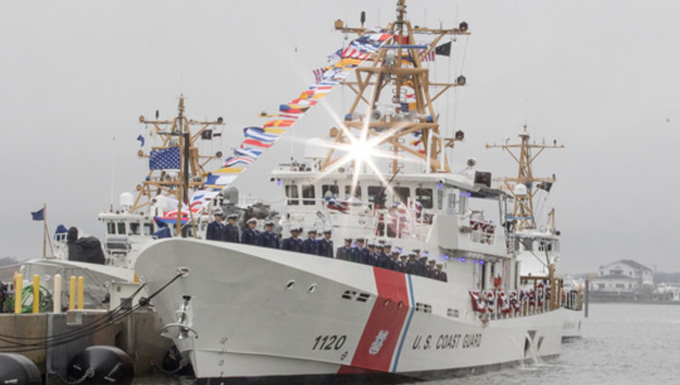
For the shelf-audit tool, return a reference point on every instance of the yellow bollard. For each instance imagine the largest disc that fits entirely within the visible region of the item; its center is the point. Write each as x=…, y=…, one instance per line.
x=56, y=297
x=36, y=293
x=18, y=288
x=81, y=292
x=72, y=293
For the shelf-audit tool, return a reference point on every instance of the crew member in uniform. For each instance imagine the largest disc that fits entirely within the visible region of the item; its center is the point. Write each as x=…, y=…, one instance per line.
x=379, y=257
x=370, y=257
x=394, y=260
x=386, y=256
x=359, y=253
x=310, y=245
x=430, y=269
x=411, y=264
x=293, y=243
x=326, y=245
x=269, y=237
x=231, y=230
x=345, y=252
x=441, y=274
x=251, y=236
x=215, y=230
x=402, y=263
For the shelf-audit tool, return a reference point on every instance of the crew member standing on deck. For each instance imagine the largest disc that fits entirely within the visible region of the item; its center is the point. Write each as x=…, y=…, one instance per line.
x=326, y=245
x=215, y=230
x=251, y=236
x=345, y=252
x=231, y=230
x=310, y=245
x=269, y=237
x=292, y=243
x=441, y=274
x=359, y=253
x=402, y=264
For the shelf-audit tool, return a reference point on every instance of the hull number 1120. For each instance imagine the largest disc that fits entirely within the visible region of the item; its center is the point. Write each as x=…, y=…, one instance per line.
x=329, y=342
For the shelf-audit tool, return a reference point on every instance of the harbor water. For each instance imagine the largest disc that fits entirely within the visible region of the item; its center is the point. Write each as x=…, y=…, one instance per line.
x=622, y=344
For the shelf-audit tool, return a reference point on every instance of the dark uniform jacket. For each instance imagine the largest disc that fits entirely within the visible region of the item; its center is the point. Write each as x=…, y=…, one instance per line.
x=384, y=261
x=310, y=246
x=326, y=248
x=215, y=231
x=420, y=268
x=251, y=237
x=231, y=233
x=270, y=239
x=411, y=267
x=291, y=244
x=344, y=253
x=362, y=255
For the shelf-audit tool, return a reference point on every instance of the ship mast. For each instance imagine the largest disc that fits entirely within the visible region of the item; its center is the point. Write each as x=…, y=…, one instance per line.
x=397, y=64
x=183, y=133
x=525, y=186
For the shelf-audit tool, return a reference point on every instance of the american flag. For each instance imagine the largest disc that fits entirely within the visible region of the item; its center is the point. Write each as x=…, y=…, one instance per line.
x=165, y=159
x=318, y=74
x=429, y=56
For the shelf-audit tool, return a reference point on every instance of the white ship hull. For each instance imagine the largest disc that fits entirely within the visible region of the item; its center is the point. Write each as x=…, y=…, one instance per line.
x=573, y=321
x=275, y=315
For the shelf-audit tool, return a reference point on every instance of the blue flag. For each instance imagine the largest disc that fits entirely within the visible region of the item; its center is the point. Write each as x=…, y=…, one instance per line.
x=168, y=158
x=39, y=215
x=141, y=140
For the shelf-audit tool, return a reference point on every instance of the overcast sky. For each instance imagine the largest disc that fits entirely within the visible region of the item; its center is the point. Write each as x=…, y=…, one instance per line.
x=602, y=77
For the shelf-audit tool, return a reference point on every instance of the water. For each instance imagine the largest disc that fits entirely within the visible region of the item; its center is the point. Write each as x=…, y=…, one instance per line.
x=622, y=344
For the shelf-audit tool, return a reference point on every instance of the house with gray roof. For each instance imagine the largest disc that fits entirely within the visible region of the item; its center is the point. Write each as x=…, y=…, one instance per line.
x=624, y=278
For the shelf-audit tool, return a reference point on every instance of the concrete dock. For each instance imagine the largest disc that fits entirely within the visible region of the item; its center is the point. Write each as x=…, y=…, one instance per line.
x=138, y=334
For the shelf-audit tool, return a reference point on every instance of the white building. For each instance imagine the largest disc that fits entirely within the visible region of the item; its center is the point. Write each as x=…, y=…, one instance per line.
x=623, y=278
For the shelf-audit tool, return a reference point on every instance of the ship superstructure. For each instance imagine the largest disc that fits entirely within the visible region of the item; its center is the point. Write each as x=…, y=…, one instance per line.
x=256, y=314
x=537, y=247
x=177, y=169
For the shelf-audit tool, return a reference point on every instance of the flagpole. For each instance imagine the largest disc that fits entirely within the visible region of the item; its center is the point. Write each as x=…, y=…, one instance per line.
x=44, y=230
x=47, y=230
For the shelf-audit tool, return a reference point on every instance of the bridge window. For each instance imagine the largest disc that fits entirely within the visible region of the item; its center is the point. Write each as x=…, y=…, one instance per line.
x=356, y=193
x=134, y=228
x=424, y=196
x=308, y=195
x=121, y=228
x=373, y=191
x=440, y=199
x=403, y=193
x=292, y=195
x=148, y=228
x=110, y=228
x=330, y=188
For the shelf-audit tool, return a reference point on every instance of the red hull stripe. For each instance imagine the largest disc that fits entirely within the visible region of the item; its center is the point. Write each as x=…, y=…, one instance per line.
x=381, y=333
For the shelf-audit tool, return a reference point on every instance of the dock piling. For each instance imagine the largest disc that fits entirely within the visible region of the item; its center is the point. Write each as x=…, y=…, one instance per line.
x=18, y=289
x=72, y=293
x=36, y=294
x=81, y=292
x=56, y=297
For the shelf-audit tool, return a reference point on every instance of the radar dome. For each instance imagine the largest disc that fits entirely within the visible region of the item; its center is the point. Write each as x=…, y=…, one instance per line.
x=126, y=199
x=520, y=190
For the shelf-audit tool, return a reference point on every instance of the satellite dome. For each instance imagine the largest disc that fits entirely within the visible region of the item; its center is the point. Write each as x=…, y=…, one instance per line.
x=126, y=199
x=520, y=190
